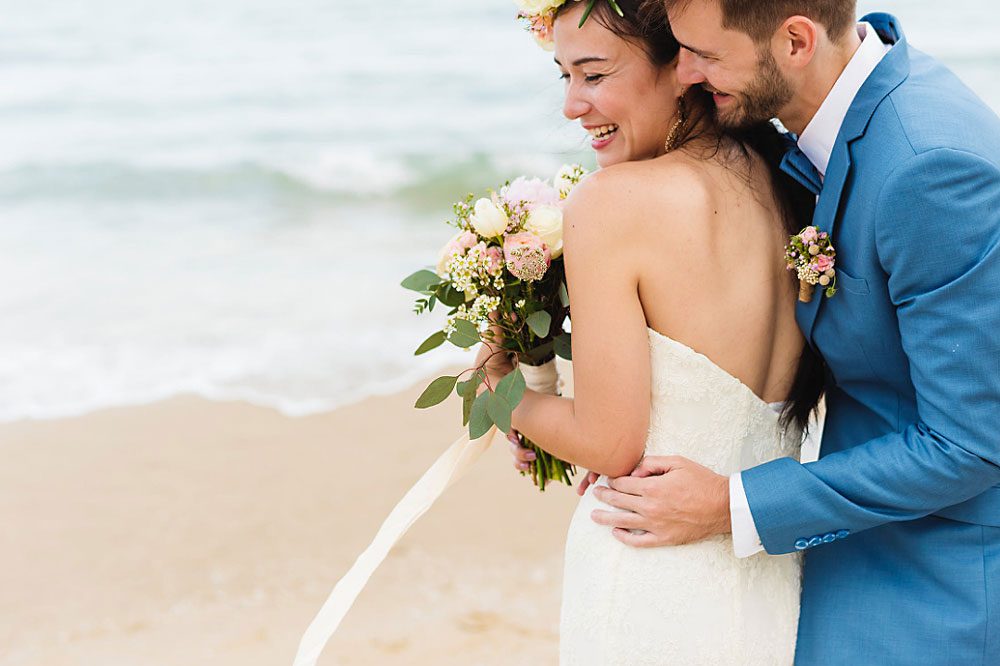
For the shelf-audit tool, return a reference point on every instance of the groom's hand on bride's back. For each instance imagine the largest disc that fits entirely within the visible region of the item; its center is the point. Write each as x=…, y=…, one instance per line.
x=666, y=501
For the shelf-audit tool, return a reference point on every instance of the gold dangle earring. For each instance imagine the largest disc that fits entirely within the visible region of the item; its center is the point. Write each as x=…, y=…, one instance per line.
x=675, y=131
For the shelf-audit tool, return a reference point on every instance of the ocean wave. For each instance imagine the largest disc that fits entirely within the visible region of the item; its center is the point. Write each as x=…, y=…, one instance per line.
x=359, y=178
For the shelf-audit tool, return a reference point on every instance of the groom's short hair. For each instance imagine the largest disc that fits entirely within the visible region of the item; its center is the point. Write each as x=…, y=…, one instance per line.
x=760, y=18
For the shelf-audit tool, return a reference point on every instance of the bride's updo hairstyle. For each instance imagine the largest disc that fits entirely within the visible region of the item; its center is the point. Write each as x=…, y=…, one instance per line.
x=645, y=24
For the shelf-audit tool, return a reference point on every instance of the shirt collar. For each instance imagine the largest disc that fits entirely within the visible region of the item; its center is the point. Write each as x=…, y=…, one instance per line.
x=819, y=136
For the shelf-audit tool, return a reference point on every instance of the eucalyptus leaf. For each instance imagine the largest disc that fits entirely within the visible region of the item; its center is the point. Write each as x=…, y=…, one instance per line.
x=479, y=418
x=450, y=296
x=511, y=388
x=465, y=335
x=436, y=393
x=564, y=346
x=539, y=323
x=563, y=295
x=467, y=400
x=423, y=281
x=499, y=410
x=436, y=340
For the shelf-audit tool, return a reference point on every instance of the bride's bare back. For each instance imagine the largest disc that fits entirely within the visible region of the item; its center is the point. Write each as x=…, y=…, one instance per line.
x=712, y=276
x=691, y=247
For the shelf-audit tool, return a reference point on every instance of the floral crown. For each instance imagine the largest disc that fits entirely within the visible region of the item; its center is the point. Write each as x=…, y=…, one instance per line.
x=540, y=15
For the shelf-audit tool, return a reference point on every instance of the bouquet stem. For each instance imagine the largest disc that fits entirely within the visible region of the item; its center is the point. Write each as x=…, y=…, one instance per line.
x=545, y=468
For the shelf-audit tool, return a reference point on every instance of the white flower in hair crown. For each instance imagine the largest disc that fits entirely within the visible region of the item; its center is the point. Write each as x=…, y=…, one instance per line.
x=540, y=15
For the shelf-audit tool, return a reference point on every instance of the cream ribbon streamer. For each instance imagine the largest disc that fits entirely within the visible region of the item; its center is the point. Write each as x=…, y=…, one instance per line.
x=444, y=473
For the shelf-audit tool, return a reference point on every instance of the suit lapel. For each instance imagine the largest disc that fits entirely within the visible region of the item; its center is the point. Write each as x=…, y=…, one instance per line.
x=891, y=72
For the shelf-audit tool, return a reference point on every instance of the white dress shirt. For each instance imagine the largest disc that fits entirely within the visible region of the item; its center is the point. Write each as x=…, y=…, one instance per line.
x=816, y=141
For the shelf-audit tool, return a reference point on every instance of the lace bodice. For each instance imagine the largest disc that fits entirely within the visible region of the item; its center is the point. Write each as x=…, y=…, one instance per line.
x=701, y=412
x=695, y=604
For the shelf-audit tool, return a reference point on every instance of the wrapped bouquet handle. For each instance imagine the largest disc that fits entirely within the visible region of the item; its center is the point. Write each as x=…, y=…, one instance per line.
x=445, y=472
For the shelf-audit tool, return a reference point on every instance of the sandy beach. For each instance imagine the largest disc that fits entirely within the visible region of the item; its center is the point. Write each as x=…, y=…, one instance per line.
x=196, y=532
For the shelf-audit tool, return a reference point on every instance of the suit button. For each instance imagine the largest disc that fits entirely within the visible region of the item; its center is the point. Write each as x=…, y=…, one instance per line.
x=801, y=544
x=830, y=538
x=815, y=541
x=843, y=534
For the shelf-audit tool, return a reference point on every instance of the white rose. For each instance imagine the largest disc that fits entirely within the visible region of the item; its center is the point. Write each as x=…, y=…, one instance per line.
x=547, y=223
x=488, y=220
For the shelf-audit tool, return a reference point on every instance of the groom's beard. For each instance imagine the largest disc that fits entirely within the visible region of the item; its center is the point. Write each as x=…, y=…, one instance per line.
x=761, y=100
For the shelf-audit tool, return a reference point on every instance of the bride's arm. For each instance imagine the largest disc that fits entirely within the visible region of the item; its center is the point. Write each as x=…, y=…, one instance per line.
x=604, y=427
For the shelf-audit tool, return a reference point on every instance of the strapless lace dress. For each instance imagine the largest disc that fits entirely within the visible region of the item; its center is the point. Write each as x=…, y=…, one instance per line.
x=688, y=605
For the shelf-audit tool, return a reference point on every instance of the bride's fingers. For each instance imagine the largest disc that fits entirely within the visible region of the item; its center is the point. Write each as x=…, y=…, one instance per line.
x=521, y=454
x=622, y=519
x=588, y=480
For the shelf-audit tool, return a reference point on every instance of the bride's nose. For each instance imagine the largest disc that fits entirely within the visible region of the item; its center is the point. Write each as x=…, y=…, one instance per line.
x=575, y=106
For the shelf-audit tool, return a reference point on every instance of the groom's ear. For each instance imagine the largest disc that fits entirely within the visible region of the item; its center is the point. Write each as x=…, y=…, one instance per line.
x=795, y=41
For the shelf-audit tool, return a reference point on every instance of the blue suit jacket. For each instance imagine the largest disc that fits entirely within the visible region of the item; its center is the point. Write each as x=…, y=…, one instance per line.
x=912, y=341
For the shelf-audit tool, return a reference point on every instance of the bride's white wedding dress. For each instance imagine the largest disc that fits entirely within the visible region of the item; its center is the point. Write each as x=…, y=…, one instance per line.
x=693, y=604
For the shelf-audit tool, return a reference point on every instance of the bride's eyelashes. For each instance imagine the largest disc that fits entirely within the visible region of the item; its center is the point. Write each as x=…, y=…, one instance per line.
x=589, y=78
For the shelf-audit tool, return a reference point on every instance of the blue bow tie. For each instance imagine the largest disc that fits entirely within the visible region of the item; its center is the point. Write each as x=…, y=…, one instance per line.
x=797, y=165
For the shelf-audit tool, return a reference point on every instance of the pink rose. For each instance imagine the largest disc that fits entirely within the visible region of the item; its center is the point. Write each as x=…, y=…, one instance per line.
x=823, y=263
x=809, y=235
x=526, y=256
x=496, y=258
x=533, y=193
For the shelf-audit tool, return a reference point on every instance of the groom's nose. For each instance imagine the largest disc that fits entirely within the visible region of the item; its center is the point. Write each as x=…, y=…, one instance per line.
x=687, y=68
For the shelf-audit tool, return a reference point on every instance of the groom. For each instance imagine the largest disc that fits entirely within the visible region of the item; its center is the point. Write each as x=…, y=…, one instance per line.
x=900, y=517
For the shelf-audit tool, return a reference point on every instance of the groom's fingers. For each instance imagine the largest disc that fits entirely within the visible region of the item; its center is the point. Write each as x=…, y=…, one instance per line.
x=629, y=485
x=623, y=519
x=616, y=499
x=644, y=540
x=656, y=465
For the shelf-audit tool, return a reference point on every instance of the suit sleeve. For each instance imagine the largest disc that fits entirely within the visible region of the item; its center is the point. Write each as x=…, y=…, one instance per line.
x=938, y=239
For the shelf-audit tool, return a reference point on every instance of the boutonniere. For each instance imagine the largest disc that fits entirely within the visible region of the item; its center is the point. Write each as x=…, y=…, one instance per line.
x=811, y=255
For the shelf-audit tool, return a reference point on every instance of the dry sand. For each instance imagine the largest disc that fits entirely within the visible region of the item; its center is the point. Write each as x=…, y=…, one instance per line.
x=195, y=532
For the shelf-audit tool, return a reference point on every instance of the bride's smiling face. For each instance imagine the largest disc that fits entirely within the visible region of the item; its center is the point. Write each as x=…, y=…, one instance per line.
x=625, y=102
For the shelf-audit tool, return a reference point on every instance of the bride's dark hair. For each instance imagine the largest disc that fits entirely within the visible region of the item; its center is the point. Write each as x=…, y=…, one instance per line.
x=645, y=24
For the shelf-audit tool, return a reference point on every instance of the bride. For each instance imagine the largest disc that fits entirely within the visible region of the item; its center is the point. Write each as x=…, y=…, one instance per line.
x=684, y=343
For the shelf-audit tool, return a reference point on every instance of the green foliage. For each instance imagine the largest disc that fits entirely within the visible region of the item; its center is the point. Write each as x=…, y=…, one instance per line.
x=499, y=410
x=450, y=296
x=539, y=323
x=465, y=335
x=564, y=346
x=479, y=418
x=563, y=295
x=436, y=340
x=423, y=281
x=468, y=392
x=436, y=393
x=511, y=388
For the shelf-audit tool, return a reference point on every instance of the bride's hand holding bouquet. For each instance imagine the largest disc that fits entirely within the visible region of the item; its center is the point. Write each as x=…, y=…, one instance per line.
x=502, y=275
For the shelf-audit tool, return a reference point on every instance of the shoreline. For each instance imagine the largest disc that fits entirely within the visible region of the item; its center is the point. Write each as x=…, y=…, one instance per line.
x=191, y=531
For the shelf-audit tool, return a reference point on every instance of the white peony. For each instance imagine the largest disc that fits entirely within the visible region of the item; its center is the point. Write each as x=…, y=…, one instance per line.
x=488, y=220
x=547, y=223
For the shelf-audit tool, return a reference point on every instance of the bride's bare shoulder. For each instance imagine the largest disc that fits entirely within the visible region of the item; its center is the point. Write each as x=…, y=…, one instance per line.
x=625, y=197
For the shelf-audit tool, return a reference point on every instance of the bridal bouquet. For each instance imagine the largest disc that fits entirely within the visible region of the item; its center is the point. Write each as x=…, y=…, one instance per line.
x=503, y=280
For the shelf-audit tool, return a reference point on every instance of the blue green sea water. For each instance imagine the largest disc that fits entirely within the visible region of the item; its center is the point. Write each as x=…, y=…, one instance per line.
x=220, y=197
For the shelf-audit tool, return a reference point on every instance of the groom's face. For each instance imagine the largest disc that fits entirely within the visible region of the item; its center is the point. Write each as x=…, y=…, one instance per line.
x=746, y=82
